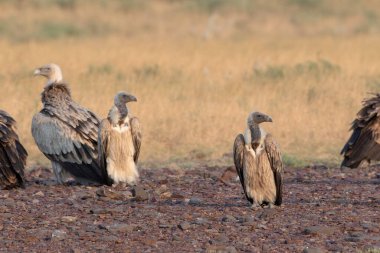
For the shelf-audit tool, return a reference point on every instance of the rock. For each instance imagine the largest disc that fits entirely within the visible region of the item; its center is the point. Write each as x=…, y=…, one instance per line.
x=201, y=221
x=75, y=250
x=140, y=194
x=221, y=239
x=220, y=249
x=121, y=228
x=184, y=225
x=177, y=195
x=40, y=194
x=353, y=238
x=228, y=218
x=320, y=230
x=163, y=188
x=313, y=250
x=58, y=235
x=35, y=201
x=68, y=218
x=103, y=211
x=164, y=226
x=229, y=175
x=166, y=195
x=195, y=201
x=103, y=192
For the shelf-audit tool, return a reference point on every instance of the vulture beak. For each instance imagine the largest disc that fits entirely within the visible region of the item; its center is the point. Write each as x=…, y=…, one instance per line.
x=37, y=72
x=269, y=119
x=132, y=98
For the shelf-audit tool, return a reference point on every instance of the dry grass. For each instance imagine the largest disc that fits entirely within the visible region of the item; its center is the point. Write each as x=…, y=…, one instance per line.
x=195, y=85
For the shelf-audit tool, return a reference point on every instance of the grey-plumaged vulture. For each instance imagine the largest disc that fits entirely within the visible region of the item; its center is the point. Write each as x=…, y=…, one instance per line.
x=66, y=132
x=364, y=143
x=258, y=163
x=12, y=154
x=120, y=141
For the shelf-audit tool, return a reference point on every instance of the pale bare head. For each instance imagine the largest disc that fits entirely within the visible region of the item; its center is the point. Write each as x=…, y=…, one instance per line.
x=122, y=98
x=51, y=71
x=257, y=118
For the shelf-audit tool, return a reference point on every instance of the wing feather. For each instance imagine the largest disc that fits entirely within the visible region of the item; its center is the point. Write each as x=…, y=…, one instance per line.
x=103, y=138
x=12, y=154
x=238, y=152
x=136, y=137
x=275, y=160
x=69, y=142
x=364, y=142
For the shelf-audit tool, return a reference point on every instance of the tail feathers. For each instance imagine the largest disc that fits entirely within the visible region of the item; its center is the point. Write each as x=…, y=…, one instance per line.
x=86, y=172
x=349, y=163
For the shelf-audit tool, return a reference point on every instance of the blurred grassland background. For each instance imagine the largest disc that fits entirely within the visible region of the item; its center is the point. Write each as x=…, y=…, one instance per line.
x=198, y=67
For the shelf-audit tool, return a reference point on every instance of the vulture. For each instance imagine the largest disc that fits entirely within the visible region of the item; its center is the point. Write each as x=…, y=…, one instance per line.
x=119, y=141
x=12, y=154
x=65, y=132
x=258, y=163
x=364, y=143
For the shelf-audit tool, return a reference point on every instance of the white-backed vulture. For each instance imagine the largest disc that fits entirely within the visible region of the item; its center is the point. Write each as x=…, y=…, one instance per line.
x=120, y=141
x=66, y=132
x=364, y=143
x=258, y=163
x=12, y=154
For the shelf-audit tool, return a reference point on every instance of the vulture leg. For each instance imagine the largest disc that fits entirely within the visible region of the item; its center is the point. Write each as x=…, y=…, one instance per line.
x=58, y=172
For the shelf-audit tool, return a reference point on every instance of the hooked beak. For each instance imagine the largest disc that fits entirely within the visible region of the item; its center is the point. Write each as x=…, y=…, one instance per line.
x=132, y=98
x=37, y=72
x=269, y=119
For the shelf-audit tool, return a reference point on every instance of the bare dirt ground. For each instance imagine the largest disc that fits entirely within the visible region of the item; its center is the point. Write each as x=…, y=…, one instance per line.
x=194, y=210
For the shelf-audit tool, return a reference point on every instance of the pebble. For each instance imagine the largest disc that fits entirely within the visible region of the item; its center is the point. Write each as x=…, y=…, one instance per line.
x=39, y=193
x=184, y=225
x=195, y=201
x=228, y=218
x=121, y=228
x=220, y=249
x=68, y=218
x=58, y=235
x=313, y=250
x=140, y=194
x=321, y=230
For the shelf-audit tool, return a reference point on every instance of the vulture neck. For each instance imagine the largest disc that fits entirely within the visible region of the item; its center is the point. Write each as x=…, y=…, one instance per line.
x=255, y=135
x=55, y=78
x=119, y=114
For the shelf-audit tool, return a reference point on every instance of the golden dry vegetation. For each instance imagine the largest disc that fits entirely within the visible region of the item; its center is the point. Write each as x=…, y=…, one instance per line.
x=199, y=67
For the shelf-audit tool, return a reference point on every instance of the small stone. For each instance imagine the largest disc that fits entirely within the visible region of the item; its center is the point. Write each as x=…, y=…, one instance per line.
x=220, y=249
x=201, y=221
x=58, y=235
x=35, y=201
x=221, y=239
x=312, y=250
x=195, y=201
x=68, y=218
x=228, y=218
x=40, y=194
x=164, y=226
x=140, y=194
x=121, y=228
x=353, y=239
x=103, y=192
x=321, y=230
x=184, y=225
x=75, y=250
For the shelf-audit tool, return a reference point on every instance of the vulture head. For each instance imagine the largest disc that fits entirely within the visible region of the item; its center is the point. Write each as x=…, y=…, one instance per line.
x=257, y=117
x=51, y=71
x=122, y=98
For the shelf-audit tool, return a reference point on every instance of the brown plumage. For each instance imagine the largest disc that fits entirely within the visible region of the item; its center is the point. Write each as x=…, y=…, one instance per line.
x=258, y=163
x=120, y=141
x=12, y=154
x=364, y=143
x=66, y=132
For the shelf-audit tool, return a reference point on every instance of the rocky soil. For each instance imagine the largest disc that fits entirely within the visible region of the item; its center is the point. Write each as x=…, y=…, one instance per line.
x=195, y=210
